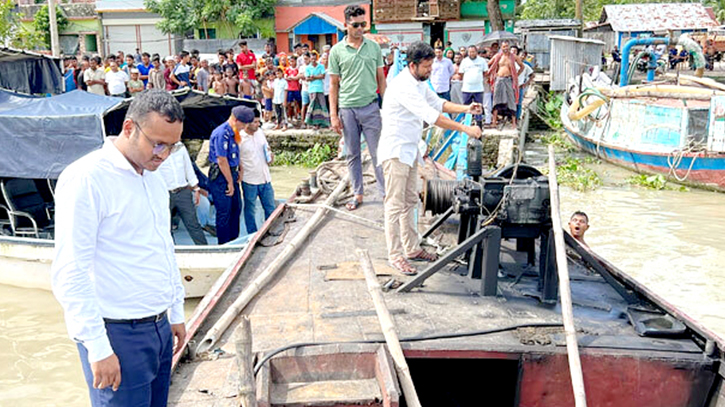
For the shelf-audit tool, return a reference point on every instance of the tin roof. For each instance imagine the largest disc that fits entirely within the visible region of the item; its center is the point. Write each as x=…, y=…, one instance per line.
x=549, y=23
x=656, y=17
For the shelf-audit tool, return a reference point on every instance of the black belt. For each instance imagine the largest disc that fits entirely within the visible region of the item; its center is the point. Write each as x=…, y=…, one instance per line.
x=153, y=318
x=173, y=191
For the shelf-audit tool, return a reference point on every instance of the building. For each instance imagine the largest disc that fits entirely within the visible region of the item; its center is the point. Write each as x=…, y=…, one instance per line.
x=314, y=22
x=535, y=35
x=128, y=26
x=462, y=23
x=83, y=33
x=619, y=23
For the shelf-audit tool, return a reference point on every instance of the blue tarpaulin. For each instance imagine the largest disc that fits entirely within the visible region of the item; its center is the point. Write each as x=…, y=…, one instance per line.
x=39, y=137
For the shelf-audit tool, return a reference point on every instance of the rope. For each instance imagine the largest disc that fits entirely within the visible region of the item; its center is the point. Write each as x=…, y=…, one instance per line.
x=674, y=159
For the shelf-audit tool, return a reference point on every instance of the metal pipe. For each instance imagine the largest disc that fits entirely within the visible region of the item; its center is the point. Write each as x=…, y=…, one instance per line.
x=623, y=72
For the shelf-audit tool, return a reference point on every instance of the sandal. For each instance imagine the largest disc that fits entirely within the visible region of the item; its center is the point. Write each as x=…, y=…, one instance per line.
x=353, y=204
x=423, y=255
x=402, y=265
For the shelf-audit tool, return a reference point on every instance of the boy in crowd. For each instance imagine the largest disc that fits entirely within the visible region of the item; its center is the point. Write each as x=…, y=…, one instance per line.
x=294, y=96
x=231, y=82
x=268, y=93
x=135, y=85
x=246, y=89
x=280, y=98
x=218, y=85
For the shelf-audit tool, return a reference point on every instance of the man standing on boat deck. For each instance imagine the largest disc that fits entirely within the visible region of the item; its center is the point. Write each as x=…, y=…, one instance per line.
x=224, y=173
x=184, y=192
x=256, y=178
x=409, y=102
x=356, y=75
x=114, y=271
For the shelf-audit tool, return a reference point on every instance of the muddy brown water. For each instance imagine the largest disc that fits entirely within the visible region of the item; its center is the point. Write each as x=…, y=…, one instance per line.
x=673, y=242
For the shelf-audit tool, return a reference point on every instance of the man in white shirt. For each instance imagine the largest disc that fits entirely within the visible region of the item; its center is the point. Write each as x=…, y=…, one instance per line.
x=255, y=158
x=408, y=103
x=95, y=76
x=114, y=273
x=441, y=75
x=473, y=69
x=181, y=182
x=116, y=80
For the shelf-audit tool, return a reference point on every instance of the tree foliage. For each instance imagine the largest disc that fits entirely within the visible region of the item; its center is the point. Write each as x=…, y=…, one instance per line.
x=12, y=32
x=41, y=23
x=181, y=16
x=592, y=9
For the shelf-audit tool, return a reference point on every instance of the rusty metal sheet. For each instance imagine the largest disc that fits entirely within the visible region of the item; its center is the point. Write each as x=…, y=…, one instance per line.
x=658, y=17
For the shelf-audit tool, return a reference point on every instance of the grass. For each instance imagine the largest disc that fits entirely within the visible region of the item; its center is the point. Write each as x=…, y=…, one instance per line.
x=574, y=173
x=559, y=140
x=309, y=158
x=548, y=109
x=656, y=182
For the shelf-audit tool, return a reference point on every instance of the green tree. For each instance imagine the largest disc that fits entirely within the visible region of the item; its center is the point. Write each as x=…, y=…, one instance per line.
x=12, y=32
x=181, y=16
x=41, y=23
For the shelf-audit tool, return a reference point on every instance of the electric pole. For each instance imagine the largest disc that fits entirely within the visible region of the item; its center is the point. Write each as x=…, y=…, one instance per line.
x=580, y=17
x=54, y=43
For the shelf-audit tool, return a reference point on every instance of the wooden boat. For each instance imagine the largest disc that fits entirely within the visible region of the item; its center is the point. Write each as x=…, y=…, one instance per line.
x=674, y=130
x=318, y=341
x=25, y=262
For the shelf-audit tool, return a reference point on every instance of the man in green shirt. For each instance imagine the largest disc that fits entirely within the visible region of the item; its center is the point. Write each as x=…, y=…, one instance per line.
x=356, y=76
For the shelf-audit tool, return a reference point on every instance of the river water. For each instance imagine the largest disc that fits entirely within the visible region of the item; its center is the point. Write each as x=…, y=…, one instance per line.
x=669, y=240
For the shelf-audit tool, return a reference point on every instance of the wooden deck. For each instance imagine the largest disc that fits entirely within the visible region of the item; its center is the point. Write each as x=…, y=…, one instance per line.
x=321, y=296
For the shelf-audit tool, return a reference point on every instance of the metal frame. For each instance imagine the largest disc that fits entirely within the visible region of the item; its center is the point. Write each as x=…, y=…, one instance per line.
x=13, y=213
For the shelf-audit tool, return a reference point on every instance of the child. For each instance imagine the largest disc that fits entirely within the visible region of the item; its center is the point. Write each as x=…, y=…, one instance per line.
x=156, y=76
x=294, y=97
x=268, y=93
x=218, y=86
x=280, y=98
x=245, y=86
x=135, y=85
x=231, y=82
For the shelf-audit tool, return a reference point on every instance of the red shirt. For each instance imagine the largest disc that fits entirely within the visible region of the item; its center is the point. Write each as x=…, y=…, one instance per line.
x=292, y=84
x=247, y=59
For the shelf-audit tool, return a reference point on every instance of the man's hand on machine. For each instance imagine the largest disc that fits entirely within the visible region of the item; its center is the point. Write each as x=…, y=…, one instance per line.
x=473, y=131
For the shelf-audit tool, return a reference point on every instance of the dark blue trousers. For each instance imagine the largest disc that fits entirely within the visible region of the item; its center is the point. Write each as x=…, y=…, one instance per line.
x=144, y=352
x=265, y=194
x=228, y=208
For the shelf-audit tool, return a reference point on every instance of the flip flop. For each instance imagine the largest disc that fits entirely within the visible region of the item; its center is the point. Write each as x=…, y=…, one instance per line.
x=423, y=255
x=401, y=265
x=353, y=204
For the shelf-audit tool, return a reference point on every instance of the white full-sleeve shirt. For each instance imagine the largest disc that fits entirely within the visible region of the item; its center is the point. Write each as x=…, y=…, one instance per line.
x=177, y=170
x=407, y=104
x=114, y=256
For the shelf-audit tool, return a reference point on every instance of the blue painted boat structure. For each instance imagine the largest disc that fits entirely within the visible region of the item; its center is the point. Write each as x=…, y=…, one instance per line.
x=681, y=138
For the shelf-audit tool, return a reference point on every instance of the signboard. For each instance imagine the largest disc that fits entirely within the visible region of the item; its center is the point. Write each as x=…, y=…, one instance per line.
x=716, y=138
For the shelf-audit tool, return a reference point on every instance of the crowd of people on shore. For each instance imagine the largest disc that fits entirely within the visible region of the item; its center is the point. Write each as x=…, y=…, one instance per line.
x=293, y=89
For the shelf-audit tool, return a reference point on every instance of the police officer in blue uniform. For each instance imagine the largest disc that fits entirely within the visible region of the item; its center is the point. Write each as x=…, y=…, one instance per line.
x=224, y=173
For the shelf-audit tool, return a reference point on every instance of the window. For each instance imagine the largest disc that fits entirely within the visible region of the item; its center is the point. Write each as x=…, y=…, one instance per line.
x=91, y=44
x=208, y=34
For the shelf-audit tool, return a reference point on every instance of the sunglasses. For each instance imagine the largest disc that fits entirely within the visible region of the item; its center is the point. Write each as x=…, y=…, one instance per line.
x=159, y=148
x=358, y=25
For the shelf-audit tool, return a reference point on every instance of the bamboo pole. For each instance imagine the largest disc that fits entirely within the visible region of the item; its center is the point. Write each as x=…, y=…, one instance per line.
x=243, y=345
x=572, y=347
x=388, y=327
x=250, y=291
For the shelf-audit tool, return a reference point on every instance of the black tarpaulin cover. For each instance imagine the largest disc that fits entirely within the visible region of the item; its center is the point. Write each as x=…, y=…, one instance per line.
x=30, y=73
x=39, y=137
x=203, y=113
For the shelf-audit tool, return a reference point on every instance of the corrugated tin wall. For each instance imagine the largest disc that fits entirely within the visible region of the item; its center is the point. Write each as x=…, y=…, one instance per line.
x=570, y=57
x=537, y=43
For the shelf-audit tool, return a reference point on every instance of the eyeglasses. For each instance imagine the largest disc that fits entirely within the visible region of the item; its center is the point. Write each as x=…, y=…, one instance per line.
x=358, y=25
x=159, y=148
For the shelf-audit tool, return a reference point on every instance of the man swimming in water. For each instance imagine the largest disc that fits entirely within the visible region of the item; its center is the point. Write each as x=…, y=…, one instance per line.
x=578, y=225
